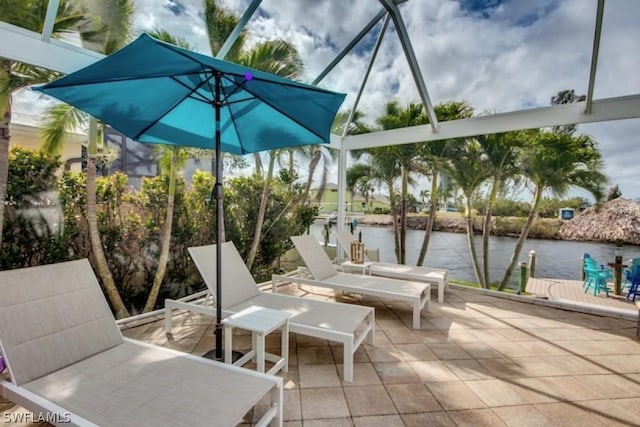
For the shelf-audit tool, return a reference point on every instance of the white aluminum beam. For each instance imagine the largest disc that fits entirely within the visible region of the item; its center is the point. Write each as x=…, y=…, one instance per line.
x=349, y=46
x=594, y=57
x=50, y=19
x=27, y=46
x=228, y=43
x=374, y=54
x=618, y=108
x=405, y=41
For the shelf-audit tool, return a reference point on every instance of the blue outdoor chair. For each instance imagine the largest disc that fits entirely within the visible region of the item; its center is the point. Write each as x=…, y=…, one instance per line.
x=596, y=276
x=632, y=276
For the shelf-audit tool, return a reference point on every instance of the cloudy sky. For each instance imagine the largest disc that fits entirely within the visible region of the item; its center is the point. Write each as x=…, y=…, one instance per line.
x=499, y=55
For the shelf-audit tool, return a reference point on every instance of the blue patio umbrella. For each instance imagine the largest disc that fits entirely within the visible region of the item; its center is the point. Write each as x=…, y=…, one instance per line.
x=156, y=92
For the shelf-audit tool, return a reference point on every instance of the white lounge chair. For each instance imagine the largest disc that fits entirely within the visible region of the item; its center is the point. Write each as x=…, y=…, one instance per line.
x=344, y=323
x=324, y=274
x=435, y=276
x=70, y=365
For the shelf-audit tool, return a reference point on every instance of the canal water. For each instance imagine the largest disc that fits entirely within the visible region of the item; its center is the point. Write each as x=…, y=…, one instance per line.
x=555, y=258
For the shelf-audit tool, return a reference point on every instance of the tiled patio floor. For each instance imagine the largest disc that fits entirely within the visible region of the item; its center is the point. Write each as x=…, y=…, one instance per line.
x=478, y=360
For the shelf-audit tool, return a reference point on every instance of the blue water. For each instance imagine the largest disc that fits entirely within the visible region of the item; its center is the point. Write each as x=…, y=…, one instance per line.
x=555, y=258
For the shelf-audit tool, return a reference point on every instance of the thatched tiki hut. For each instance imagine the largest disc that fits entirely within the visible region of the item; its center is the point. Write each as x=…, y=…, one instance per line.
x=615, y=221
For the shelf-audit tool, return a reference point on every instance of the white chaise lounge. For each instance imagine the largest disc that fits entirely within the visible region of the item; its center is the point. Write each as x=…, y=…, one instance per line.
x=347, y=324
x=70, y=365
x=434, y=276
x=324, y=274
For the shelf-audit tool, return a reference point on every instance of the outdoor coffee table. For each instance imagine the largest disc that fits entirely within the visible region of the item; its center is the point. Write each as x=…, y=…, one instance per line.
x=260, y=322
x=365, y=267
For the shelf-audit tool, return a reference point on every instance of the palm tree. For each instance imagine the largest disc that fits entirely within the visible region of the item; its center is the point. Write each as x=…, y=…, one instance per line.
x=317, y=155
x=320, y=155
x=433, y=156
x=406, y=156
x=358, y=178
x=502, y=153
x=280, y=58
x=110, y=33
x=276, y=57
x=385, y=169
x=15, y=76
x=468, y=168
x=556, y=162
x=172, y=159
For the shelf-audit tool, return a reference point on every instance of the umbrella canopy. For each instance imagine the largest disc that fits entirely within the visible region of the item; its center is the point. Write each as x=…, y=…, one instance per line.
x=156, y=92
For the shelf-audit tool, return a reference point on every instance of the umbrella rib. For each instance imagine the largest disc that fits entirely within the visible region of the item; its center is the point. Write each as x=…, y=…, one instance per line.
x=284, y=82
x=190, y=95
x=173, y=107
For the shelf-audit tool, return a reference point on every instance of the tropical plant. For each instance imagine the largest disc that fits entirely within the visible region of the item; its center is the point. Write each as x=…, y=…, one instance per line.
x=359, y=181
x=556, y=162
x=433, y=157
x=172, y=159
x=33, y=214
x=14, y=76
x=501, y=151
x=273, y=56
x=110, y=32
x=407, y=161
x=468, y=168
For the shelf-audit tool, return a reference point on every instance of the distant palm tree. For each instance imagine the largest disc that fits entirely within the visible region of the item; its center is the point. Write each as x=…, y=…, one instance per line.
x=556, y=162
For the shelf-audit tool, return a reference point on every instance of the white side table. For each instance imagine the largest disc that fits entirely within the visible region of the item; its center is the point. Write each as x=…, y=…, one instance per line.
x=364, y=267
x=261, y=322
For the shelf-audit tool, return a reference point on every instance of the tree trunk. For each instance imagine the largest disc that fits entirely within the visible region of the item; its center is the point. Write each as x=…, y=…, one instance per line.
x=394, y=218
x=257, y=234
x=430, y=219
x=96, y=244
x=5, y=137
x=313, y=164
x=166, y=239
x=291, y=162
x=471, y=242
x=258, y=162
x=522, y=238
x=403, y=216
x=486, y=231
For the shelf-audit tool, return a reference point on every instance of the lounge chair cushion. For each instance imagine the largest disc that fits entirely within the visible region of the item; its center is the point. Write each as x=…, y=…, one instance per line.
x=379, y=284
x=239, y=283
x=139, y=385
x=314, y=257
x=310, y=313
x=51, y=317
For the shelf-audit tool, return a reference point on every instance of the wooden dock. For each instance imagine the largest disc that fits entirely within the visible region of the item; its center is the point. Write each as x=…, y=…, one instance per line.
x=571, y=292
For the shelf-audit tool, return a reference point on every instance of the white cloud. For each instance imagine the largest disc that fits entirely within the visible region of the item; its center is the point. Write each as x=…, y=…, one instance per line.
x=519, y=56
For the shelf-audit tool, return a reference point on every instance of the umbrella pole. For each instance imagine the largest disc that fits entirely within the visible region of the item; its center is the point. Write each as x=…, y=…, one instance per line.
x=217, y=192
x=217, y=353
